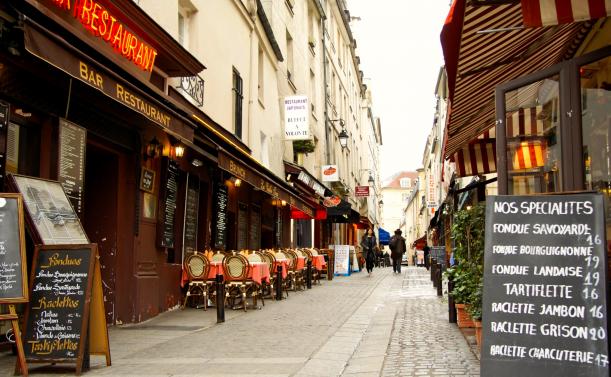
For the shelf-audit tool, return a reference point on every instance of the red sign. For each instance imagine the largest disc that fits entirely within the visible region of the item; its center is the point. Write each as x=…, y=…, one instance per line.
x=106, y=26
x=360, y=191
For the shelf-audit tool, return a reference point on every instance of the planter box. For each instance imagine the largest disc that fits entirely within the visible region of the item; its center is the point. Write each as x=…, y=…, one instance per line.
x=463, y=319
x=478, y=333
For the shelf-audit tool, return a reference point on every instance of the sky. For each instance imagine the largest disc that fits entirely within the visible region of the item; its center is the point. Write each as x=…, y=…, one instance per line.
x=398, y=43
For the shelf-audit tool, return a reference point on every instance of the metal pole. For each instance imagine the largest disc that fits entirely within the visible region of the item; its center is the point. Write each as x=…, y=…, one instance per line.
x=451, y=307
x=279, y=282
x=438, y=278
x=220, y=299
x=433, y=260
x=309, y=275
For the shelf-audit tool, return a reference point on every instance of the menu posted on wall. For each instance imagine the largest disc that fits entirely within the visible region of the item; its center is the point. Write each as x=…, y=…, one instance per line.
x=220, y=224
x=191, y=215
x=167, y=204
x=71, y=172
x=13, y=283
x=545, y=287
x=58, y=312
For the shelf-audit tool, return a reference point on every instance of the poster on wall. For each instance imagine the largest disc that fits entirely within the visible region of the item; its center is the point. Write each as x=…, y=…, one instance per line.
x=296, y=118
x=330, y=173
x=342, y=260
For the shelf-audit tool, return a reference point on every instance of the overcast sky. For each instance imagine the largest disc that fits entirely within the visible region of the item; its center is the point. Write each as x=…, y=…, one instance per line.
x=398, y=42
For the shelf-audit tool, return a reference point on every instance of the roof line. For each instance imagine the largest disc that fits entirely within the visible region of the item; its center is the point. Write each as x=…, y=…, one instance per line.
x=269, y=33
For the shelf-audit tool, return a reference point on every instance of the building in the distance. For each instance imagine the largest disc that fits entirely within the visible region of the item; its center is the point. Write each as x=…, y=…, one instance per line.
x=396, y=192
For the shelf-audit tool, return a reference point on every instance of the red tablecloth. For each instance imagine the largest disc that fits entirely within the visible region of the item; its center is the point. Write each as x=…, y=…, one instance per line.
x=318, y=262
x=258, y=271
x=300, y=263
x=285, y=267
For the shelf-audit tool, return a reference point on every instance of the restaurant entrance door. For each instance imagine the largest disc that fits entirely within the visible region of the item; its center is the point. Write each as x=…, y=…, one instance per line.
x=100, y=217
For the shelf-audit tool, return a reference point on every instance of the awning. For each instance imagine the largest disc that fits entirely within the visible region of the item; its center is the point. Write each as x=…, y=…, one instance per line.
x=538, y=13
x=383, y=236
x=264, y=181
x=420, y=243
x=486, y=45
x=343, y=213
x=319, y=214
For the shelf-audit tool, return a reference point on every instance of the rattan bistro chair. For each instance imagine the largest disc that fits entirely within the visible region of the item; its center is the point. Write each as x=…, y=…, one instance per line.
x=269, y=258
x=295, y=276
x=237, y=284
x=315, y=273
x=197, y=268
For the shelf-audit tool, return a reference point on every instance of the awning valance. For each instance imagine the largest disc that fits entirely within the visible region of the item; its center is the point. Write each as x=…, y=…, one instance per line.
x=486, y=45
x=538, y=13
x=343, y=213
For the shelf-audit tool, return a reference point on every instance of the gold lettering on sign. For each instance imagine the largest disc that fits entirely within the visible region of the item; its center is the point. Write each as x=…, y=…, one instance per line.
x=91, y=76
x=236, y=169
x=307, y=211
x=141, y=106
x=55, y=260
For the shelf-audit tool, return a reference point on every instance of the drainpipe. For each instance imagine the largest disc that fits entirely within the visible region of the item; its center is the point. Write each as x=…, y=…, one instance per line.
x=252, y=10
x=325, y=91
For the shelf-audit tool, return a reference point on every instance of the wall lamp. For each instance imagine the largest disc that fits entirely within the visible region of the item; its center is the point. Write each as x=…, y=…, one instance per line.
x=153, y=149
x=179, y=150
x=343, y=135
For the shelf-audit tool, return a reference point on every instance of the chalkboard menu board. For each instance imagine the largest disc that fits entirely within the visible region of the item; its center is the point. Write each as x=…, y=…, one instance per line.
x=544, y=306
x=191, y=215
x=242, y=226
x=254, y=238
x=167, y=203
x=220, y=224
x=71, y=172
x=13, y=283
x=58, y=312
x=278, y=228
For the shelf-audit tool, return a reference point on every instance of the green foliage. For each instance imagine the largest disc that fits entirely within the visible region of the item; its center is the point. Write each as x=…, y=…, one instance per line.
x=468, y=233
x=304, y=146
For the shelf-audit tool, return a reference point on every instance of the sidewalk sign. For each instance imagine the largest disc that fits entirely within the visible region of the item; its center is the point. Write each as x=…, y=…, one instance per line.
x=355, y=260
x=545, y=286
x=13, y=274
x=342, y=259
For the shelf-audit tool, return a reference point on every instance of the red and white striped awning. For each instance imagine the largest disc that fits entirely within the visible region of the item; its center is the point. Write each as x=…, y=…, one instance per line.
x=538, y=13
x=478, y=157
x=486, y=45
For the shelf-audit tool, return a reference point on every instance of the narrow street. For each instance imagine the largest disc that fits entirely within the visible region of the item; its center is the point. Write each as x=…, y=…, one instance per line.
x=385, y=325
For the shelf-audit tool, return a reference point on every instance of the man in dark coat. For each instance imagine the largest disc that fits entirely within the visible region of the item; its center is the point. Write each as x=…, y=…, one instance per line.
x=397, y=249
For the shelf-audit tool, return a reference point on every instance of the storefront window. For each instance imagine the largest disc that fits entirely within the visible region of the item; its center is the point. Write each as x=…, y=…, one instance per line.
x=595, y=81
x=533, y=138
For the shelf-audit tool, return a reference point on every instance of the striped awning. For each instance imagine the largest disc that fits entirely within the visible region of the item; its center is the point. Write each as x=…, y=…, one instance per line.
x=478, y=157
x=486, y=45
x=538, y=13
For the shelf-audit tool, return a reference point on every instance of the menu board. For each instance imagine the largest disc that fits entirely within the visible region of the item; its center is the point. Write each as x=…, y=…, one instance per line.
x=58, y=312
x=342, y=259
x=167, y=204
x=191, y=215
x=242, y=226
x=545, y=287
x=220, y=224
x=72, y=142
x=278, y=228
x=254, y=238
x=13, y=283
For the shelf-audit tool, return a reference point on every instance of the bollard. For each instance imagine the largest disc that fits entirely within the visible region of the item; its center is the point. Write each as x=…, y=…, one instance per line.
x=434, y=261
x=451, y=307
x=220, y=299
x=309, y=275
x=439, y=281
x=279, y=283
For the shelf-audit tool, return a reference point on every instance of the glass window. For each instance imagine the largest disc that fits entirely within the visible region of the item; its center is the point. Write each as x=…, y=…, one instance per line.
x=404, y=182
x=595, y=79
x=533, y=138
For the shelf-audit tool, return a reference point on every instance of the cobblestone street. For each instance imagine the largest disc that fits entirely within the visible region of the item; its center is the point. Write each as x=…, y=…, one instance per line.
x=353, y=326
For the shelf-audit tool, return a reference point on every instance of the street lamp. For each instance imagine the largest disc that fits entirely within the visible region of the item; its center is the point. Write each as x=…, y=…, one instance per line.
x=371, y=180
x=343, y=135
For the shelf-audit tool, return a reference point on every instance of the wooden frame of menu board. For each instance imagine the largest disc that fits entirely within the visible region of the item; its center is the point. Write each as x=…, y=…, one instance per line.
x=12, y=205
x=64, y=307
x=43, y=221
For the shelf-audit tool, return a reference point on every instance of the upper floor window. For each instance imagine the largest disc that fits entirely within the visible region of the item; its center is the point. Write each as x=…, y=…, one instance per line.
x=238, y=96
x=404, y=197
x=261, y=75
x=185, y=10
x=405, y=182
x=289, y=57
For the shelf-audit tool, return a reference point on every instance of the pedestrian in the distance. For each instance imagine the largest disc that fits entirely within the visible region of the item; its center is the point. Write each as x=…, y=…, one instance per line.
x=368, y=244
x=397, y=249
x=427, y=252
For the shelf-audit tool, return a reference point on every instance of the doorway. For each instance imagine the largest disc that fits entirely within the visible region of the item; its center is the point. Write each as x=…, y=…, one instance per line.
x=100, y=217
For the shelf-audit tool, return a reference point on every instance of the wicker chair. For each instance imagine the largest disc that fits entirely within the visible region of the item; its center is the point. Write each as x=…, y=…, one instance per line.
x=315, y=273
x=295, y=276
x=256, y=288
x=237, y=284
x=286, y=283
x=197, y=267
x=269, y=258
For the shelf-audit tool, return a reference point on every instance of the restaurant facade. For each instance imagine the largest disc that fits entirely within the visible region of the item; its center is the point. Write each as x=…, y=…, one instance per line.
x=529, y=96
x=85, y=100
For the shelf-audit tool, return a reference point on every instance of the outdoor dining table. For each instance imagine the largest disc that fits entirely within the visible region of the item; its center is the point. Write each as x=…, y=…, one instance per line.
x=318, y=262
x=300, y=263
x=257, y=271
x=285, y=266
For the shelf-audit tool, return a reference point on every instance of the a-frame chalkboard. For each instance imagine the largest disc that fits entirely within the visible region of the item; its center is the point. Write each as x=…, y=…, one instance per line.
x=13, y=274
x=57, y=317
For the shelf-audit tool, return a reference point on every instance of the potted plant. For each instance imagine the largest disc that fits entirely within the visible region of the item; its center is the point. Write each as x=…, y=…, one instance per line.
x=304, y=146
x=475, y=310
x=463, y=288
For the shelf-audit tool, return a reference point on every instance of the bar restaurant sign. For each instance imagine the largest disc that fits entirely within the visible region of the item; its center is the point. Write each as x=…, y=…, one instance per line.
x=296, y=118
x=107, y=26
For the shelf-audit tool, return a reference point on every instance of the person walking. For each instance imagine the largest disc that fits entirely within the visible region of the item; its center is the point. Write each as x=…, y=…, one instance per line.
x=427, y=253
x=397, y=249
x=368, y=244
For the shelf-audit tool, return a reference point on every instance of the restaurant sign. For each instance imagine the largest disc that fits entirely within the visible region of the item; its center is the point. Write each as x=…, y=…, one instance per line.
x=101, y=23
x=296, y=118
x=361, y=191
x=261, y=182
x=45, y=48
x=330, y=173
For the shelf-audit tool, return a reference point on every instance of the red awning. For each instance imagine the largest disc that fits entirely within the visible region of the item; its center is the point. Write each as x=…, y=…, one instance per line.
x=486, y=45
x=538, y=13
x=319, y=214
x=420, y=243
